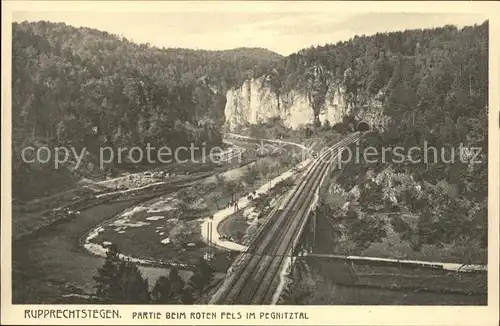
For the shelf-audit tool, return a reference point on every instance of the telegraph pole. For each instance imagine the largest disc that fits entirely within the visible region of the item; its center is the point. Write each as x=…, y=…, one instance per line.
x=209, y=237
x=313, y=231
x=210, y=246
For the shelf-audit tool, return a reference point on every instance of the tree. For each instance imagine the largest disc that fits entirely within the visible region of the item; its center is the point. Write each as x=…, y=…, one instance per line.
x=169, y=289
x=370, y=194
x=177, y=283
x=133, y=287
x=431, y=83
x=232, y=188
x=162, y=290
x=179, y=233
x=187, y=295
x=326, y=125
x=274, y=80
x=276, y=165
x=107, y=278
x=298, y=292
x=467, y=248
x=120, y=281
x=251, y=177
x=258, y=133
x=202, y=277
x=64, y=87
x=366, y=230
x=288, y=159
x=215, y=195
x=187, y=198
x=264, y=169
x=220, y=181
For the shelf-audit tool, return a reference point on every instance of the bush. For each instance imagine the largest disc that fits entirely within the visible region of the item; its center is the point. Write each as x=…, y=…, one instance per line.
x=169, y=289
x=366, y=230
x=201, y=278
x=119, y=281
x=400, y=226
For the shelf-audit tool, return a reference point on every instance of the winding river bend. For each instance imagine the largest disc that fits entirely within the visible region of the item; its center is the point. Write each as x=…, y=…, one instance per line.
x=53, y=262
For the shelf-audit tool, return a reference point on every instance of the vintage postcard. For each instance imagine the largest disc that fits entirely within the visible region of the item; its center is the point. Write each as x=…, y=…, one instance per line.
x=250, y=163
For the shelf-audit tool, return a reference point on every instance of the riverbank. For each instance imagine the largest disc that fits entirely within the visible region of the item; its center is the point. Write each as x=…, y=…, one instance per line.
x=48, y=260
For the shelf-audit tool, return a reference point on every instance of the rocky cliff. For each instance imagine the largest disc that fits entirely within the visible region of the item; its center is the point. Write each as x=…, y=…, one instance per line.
x=255, y=102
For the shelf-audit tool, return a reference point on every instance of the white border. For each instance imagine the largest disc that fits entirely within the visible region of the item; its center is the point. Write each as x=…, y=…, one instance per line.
x=318, y=315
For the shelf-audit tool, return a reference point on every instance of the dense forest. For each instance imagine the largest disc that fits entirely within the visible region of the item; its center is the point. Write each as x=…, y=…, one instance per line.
x=82, y=87
x=86, y=88
x=413, y=71
x=433, y=85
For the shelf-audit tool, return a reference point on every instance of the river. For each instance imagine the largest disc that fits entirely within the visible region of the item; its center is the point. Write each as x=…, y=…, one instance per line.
x=52, y=259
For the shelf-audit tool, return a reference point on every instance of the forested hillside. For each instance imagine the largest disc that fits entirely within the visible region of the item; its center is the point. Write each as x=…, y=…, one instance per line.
x=85, y=88
x=433, y=85
x=414, y=72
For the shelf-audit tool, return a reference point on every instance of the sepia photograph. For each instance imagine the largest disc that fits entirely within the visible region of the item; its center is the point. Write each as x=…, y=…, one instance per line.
x=220, y=157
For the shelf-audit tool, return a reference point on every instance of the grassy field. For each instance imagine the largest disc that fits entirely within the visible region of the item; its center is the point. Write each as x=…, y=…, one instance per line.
x=160, y=231
x=321, y=282
x=334, y=294
x=402, y=277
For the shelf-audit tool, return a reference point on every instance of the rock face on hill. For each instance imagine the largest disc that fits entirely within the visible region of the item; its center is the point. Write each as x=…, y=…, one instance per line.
x=255, y=102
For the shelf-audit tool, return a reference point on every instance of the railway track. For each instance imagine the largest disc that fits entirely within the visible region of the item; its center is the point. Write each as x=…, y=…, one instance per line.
x=256, y=274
